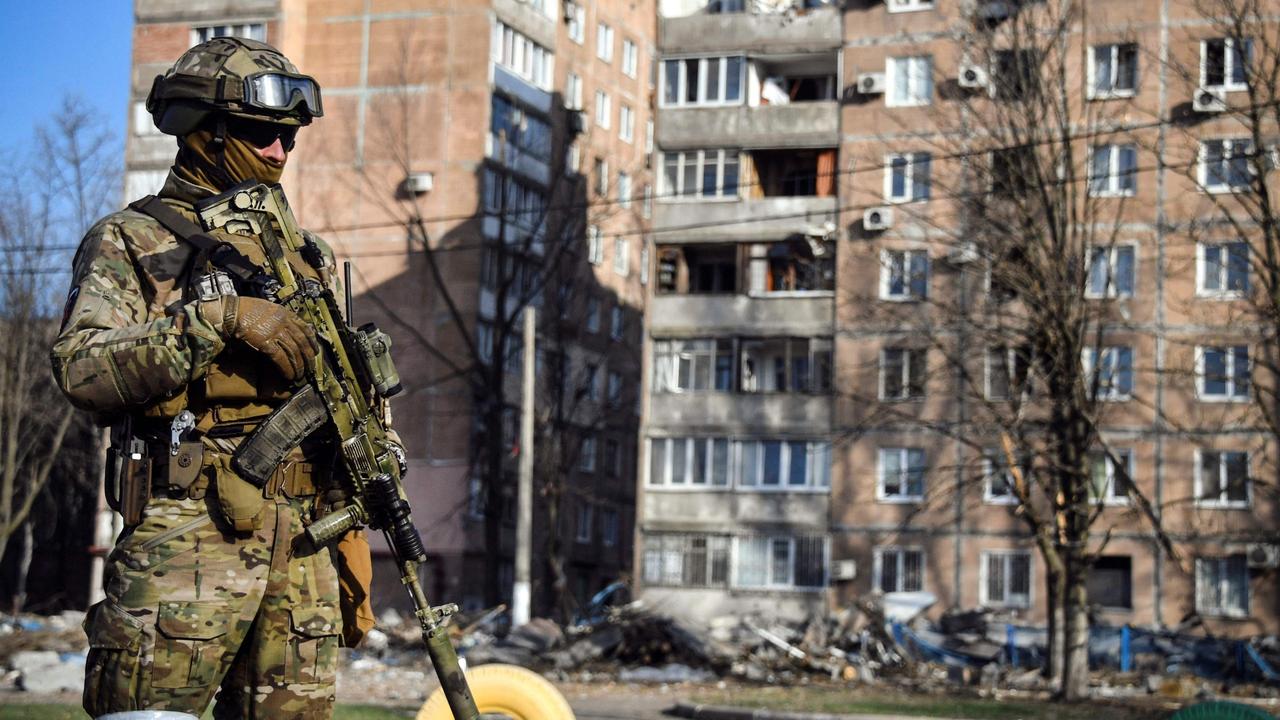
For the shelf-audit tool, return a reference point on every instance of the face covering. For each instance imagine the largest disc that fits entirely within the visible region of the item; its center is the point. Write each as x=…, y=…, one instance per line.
x=198, y=163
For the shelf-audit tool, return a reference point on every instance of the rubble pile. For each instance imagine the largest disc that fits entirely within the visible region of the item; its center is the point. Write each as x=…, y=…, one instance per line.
x=43, y=654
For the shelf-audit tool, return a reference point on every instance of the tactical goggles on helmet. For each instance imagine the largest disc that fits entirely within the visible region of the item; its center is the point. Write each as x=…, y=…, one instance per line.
x=282, y=92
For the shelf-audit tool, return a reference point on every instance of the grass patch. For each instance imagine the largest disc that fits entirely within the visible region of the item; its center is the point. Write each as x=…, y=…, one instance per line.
x=46, y=711
x=853, y=701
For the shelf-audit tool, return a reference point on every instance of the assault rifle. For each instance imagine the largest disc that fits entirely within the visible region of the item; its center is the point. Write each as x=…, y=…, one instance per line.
x=349, y=377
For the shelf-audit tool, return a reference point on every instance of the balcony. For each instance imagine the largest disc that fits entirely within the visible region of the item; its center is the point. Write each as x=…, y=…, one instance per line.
x=156, y=11
x=687, y=315
x=795, y=125
x=770, y=27
x=522, y=90
x=766, y=218
x=716, y=511
x=741, y=412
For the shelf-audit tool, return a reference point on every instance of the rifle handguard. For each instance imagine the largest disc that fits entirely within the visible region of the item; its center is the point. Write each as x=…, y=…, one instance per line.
x=332, y=526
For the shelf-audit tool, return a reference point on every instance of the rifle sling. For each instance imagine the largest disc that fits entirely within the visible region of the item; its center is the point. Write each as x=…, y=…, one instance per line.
x=283, y=430
x=222, y=254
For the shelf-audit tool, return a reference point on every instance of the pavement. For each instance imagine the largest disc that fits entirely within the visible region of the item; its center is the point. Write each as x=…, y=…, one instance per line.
x=628, y=707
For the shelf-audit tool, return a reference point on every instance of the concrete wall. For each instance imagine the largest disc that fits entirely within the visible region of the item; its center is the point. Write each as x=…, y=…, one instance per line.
x=728, y=511
x=740, y=220
x=695, y=315
x=160, y=11
x=759, y=34
x=737, y=412
x=799, y=125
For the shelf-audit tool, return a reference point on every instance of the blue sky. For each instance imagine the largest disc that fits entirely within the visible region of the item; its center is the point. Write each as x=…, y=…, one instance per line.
x=49, y=48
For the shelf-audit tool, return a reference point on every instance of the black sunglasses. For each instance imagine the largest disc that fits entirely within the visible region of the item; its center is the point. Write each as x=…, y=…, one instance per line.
x=261, y=134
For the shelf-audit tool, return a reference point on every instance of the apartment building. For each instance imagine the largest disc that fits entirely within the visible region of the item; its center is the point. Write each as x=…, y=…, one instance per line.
x=475, y=159
x=796, y=376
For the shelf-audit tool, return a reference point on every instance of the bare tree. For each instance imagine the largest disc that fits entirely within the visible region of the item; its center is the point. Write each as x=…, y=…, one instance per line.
x=51, y=197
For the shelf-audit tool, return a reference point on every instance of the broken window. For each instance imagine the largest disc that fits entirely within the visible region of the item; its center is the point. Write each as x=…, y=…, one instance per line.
x=797, y=265
x=1224, y=63
x=786, y=365
x=1222, y=478
x=1110, y=582
x=712, y=270
x=789, y=173
x=1006, y=372
x=764, y=561
x=1222, y=585
x=1017, y=74
x=1107, y=481
x=902, y=373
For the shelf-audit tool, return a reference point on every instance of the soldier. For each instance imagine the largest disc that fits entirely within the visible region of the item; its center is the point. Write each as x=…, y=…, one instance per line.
x=212, y=584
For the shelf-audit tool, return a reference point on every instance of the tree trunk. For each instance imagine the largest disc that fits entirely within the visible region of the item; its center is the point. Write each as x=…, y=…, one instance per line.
x=24, y=569
x=1075, y=675
x=1053, y=593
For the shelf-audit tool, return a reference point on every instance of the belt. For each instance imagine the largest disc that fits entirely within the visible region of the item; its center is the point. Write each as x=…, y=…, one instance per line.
x=293, y=479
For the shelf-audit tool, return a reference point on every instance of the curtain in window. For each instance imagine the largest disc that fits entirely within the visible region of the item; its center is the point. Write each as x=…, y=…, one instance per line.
x=826, y=173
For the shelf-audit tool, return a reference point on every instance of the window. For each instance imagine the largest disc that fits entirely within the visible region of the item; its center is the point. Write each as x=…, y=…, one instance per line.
x=791, y=267
x=1113, y=171
x=1114, y=368
x=906, y=177
x=1222, y=372
x=901, y=475
x=897, y=6
x=1006, y=375
x=998, y=479
x=609, y=528
x=1111, y=272
x=1016, y=74
x=797, y=365
x=1222, y=586
x=692, y=365
x=573, y=158
x=587, y=454
x=1113, y=70
x=614, y=389
x=595, y=245
x=1110, y=582
x=601, y=167
x=1107, y=484
x=613, y=457
x=1222, y=269
x=686, y=560
x=1224, y=165
x=621, y=256
x=484, y=342
x=629, y=58
x=583, y=524
x=644, y=248
x=784, y=465
x=910, y=81
x=617, y=325
x=780, y=562
x=689, y=462
x=604, y=109
x=1222, y=479
x=902, y=373
x=251, y=31
x=703, y=81
x=904, y=274
x=521, y=205
x=573, y=91
x=577, y=15
x=897, y=569
x=593, y=315
x=515, y=128
x=527, y=59
x=700, y=173
x=591, y=381
x=604, y=42
x=1224, y=63
x=1006, y=579
x=624, y=190
x=648, y=136
x=646, y=210
x=626, y=123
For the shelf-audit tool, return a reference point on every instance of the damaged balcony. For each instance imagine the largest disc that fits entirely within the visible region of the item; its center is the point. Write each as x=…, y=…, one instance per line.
x=773, y=25
x=765, y=195
x=761, y=287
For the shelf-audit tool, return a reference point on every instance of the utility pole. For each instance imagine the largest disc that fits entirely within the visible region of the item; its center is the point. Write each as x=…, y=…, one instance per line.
x=521, y=591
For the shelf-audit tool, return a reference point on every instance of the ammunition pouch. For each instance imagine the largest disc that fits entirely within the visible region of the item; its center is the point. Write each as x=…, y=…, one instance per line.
x=275, y=437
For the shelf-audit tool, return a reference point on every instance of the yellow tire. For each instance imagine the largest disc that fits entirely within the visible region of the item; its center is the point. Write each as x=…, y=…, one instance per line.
x=505, y=690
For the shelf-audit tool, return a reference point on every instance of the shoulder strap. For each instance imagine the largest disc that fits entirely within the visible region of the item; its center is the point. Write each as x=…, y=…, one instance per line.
x=220, y=253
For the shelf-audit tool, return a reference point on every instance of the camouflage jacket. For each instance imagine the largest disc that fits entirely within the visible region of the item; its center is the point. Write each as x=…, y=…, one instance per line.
x=132, y=341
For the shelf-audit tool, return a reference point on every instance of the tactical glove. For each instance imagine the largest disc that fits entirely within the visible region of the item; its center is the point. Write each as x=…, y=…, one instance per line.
x=273, y=330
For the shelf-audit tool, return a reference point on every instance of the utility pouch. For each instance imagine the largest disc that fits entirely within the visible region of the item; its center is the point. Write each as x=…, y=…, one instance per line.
x=240, y=502
x=184, y=466
x=135, y=482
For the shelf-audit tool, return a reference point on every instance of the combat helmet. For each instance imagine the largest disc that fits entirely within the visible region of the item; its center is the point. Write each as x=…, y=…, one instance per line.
x=234, y=76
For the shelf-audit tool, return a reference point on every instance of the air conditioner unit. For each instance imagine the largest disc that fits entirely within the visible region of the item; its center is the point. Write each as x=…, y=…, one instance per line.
x=419, y=183
x=871, y=83
x=1263, y=555
x=972, y=76
x=1209, y=100
x=877, y=218
x=844, y=570
x=963, y=255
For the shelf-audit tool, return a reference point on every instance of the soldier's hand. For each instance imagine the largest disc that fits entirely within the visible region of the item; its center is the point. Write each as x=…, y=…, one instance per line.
x=272, y=330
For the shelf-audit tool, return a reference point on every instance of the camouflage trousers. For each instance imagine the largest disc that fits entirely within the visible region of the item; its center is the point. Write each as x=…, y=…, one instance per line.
x=191, y=610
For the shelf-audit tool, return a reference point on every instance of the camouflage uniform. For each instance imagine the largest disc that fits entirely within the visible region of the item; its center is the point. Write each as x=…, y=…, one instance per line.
x=191, y=603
